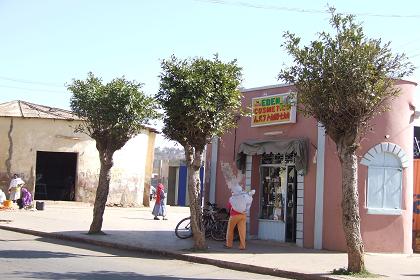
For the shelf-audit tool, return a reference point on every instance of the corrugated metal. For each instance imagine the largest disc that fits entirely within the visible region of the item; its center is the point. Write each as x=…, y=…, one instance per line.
x=271, y=230
x=25, y=109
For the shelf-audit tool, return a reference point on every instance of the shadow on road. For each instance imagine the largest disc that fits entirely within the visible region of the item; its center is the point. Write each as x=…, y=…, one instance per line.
x=98, y=275
x=31, y=254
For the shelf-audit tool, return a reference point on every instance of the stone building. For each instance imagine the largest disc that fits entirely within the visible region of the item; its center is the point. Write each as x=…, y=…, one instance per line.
x=40, y=144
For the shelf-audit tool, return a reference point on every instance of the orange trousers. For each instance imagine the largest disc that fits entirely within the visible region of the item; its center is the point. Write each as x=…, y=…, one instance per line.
x=239, y=221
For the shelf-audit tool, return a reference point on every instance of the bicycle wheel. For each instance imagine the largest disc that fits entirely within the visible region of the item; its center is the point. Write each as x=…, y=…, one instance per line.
x=183, y=228
x=219, y=229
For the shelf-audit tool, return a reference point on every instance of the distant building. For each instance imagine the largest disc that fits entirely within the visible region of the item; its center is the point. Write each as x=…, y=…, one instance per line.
x=39, y=143
x=170, y=169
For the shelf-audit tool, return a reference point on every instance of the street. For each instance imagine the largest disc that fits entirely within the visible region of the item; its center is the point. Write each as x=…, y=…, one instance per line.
x=31, y=257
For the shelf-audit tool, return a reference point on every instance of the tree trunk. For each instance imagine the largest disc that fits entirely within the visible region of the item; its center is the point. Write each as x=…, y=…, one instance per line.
x=102, y=191
x=350, y=208
x=193, y=157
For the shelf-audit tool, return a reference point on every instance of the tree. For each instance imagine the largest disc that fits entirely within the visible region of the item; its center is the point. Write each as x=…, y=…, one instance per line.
x=201, y=100
x=343, y=81
x=113, y=113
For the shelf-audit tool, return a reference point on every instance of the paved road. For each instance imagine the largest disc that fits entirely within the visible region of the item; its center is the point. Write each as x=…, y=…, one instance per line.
x=29, y=257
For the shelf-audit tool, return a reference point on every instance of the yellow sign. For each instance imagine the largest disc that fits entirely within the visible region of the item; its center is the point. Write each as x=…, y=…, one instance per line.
x=273, y=109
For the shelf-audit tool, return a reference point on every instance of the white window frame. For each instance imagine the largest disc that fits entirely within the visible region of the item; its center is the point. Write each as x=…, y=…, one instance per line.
x=369, y=160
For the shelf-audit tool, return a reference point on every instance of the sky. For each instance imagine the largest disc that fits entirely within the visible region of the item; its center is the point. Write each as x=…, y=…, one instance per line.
x=45, y=44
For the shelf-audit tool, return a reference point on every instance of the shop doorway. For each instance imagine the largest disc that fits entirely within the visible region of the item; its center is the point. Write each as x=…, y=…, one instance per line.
x=278, y=198
x=55, y=176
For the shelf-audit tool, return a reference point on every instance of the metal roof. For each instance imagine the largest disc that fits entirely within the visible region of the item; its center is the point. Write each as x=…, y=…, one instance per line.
x=23, y=109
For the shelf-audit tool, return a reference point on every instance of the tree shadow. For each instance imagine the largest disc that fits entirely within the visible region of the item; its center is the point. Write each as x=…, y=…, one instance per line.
x=98, y=275
x=100, y=249
x=138, y=218
x=33, y=254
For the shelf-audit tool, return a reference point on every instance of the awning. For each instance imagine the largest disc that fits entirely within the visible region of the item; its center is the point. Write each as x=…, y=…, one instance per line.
x=281, y=146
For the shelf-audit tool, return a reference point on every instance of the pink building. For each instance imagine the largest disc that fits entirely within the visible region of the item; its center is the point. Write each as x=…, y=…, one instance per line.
x=296, y=173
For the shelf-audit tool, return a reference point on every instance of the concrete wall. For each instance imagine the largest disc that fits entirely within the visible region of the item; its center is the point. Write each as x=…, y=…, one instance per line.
x=21, y=138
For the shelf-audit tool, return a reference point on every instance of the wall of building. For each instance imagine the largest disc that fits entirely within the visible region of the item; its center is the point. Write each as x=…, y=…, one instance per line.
x=21, y=138
x=148, y=170
x=395, y=126
x=381, y=233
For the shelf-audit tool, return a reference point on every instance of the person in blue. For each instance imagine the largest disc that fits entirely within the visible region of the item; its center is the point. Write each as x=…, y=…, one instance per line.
x=160, y=207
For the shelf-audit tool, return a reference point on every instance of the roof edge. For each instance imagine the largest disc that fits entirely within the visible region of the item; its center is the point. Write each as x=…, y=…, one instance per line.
x=290, y=84
x=264, y=87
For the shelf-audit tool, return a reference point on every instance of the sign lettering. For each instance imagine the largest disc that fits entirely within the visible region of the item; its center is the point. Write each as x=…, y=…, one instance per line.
x=274, y=109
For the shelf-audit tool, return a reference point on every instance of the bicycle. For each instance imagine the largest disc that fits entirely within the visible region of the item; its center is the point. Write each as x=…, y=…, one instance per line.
x=214, y=222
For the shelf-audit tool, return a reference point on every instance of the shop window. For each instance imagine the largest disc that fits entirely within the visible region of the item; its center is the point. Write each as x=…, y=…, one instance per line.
x=276, y=185
x=384, y=183
x=273, y=190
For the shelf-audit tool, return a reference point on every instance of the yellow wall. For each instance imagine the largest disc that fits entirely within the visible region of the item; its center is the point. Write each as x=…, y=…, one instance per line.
x=148, y=170
x=31, y=135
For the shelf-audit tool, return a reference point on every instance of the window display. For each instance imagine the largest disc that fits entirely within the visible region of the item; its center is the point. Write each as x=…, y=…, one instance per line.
x=273, y=191
x=274, y=169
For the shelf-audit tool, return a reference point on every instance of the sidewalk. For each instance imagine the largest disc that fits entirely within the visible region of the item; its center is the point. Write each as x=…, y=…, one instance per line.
x=135, y=229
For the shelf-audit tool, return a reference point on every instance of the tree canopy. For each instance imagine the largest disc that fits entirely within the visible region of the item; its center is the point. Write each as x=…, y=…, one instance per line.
x=116, y=111
x=344, y=79
x=200, y=97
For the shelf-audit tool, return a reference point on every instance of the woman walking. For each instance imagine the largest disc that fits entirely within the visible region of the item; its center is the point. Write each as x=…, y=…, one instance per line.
x=160, y=207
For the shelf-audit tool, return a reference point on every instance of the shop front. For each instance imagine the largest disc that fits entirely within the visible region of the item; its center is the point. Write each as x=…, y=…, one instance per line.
x=272, y=150
x=293, y=166
x=278, y=214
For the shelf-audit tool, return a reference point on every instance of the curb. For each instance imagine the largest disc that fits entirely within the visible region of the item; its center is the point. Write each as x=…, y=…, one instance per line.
x=176, y=255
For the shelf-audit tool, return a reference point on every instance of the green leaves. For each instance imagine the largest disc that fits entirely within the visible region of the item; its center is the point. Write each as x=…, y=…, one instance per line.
x=200, y=98
x=344, y=79
x=113, y=112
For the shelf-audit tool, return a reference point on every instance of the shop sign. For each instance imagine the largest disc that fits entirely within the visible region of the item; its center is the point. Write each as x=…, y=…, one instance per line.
x=273, y=109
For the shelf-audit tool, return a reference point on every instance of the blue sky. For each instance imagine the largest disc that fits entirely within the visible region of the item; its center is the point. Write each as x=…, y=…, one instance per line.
x=44, y=44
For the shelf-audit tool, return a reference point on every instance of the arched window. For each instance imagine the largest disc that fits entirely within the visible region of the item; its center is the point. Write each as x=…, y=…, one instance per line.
x=385, y=163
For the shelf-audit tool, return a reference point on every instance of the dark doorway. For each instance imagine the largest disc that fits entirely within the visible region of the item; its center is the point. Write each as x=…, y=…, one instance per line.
x=55, y=176
x=416, y=148
x=171, y=185
x=291, y=201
